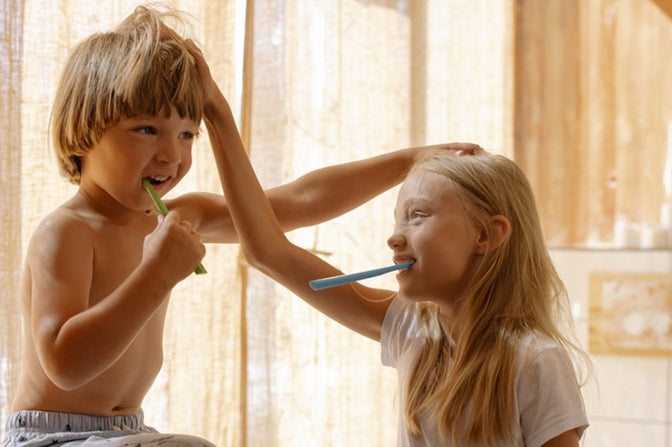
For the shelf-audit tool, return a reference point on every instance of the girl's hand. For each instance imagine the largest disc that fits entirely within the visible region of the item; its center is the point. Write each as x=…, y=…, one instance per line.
x=458, y=148
x=211, y=92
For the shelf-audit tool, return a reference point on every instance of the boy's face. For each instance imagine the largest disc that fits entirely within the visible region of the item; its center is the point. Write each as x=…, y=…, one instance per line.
x=157, y=147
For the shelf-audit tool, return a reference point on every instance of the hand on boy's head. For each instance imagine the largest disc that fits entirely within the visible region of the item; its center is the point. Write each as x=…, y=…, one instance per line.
x=465, y=148
x=210, y=89
x=173, y=249
x=458, y=148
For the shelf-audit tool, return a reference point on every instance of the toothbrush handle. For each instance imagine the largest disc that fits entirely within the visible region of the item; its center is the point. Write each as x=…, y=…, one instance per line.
x=161, y=208
x=333, y=281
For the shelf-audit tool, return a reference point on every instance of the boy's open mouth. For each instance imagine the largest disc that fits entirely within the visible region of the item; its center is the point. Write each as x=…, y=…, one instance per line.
x=157, y=180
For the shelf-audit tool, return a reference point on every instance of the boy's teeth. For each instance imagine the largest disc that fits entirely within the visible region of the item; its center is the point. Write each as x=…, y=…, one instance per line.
x=157, y=180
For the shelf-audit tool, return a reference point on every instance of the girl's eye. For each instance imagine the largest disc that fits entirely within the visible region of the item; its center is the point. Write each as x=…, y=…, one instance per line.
x=188, y=135
x=416, y=214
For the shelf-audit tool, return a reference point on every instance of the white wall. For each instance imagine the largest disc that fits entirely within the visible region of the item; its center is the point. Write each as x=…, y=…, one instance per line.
x=630, y=401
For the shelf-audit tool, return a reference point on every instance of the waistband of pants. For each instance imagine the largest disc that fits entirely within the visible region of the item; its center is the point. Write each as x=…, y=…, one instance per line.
x=54, y=422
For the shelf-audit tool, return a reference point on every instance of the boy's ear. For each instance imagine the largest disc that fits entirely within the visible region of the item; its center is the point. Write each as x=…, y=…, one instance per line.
x=500, y=228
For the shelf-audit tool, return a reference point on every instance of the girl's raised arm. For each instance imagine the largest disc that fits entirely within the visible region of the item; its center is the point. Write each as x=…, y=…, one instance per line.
x=261, y=237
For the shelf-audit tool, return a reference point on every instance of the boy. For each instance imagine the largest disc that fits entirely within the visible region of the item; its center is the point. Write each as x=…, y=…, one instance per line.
x=99, y=269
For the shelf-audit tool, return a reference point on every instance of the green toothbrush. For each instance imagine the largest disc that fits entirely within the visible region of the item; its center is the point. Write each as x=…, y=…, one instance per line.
x=161, y=208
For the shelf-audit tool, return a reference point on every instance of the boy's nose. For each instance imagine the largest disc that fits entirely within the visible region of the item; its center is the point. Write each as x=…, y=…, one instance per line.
x=169, y=153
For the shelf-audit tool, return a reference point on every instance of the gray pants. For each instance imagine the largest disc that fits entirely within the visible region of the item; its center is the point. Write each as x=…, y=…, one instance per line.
x=41, y=428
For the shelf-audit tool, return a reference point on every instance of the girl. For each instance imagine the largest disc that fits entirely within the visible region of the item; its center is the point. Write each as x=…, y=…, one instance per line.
x=472, y=329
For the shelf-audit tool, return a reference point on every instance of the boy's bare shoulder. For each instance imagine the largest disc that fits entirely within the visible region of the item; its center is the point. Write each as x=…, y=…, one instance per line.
x=63, y=219
x=63, y=226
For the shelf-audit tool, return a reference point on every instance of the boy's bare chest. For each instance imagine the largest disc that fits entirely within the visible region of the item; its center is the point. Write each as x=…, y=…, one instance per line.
x=117, y=253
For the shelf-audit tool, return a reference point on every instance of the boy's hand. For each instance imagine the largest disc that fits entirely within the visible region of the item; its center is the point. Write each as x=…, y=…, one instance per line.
x=173, y=249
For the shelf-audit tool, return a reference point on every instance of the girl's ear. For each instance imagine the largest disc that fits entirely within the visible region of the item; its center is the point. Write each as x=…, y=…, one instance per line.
x=500, y=228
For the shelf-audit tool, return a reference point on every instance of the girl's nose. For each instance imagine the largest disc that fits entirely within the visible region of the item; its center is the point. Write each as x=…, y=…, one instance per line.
x=396, y=241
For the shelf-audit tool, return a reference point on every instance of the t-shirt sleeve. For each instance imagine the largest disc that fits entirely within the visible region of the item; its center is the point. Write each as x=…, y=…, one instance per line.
x=550, y=400
x=395, y=333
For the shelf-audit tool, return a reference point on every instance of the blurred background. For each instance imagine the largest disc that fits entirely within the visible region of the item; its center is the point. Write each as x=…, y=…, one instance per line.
x=578, y=92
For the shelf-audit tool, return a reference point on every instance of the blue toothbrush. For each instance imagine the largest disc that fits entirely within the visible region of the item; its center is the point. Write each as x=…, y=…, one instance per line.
x=333, y=281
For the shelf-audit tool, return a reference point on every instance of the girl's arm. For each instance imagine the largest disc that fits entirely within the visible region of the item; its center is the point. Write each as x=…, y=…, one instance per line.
x=567, y=439
x=262, y=239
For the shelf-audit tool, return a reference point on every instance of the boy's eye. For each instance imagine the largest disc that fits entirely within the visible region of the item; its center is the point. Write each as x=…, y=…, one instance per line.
x=149, y=130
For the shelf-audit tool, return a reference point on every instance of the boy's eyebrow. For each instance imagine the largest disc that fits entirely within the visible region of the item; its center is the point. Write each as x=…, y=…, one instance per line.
x=141, y=117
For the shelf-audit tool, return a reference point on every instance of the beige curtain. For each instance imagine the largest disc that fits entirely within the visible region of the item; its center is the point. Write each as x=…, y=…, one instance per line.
x=10, y=198
x=593, y=118
x=325, y=82
x=198, y=390
x=580, y=89
x=334, y=81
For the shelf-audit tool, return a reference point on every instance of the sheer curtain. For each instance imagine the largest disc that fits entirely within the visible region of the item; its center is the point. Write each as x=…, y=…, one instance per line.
x=201, y=376
x=331, y=82
x=325, y=82
x=593, y=120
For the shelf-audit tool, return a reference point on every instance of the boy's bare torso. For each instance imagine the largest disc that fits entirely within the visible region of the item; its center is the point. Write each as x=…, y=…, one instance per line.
x=117, y=250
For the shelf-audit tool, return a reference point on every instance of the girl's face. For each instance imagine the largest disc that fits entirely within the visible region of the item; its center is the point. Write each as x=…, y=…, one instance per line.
x=158, y=147
x=433, y=229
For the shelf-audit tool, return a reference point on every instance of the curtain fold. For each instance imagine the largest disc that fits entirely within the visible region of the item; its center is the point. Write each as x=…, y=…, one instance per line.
x=198, y=389
x=11, y=46
x=592, y=118
x=333, y=82
x=247, y=363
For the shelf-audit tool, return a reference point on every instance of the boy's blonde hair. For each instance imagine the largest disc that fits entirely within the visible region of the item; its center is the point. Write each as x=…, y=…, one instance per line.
x=142, y=67
x=469, y=388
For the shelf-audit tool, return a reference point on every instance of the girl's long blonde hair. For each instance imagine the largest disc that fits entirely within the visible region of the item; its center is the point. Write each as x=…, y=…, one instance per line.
x=468, y=389
x=142, y=67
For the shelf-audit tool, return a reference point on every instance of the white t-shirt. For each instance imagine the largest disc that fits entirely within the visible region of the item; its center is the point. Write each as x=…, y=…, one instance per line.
x=547, y=399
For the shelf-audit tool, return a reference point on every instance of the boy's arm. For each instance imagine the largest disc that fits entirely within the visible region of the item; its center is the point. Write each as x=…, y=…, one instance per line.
x=329, y=192
x=77, y=333
x=315, y=197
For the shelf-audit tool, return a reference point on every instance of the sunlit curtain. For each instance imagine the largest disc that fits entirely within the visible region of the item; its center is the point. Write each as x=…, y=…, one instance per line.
x=334, y=81
x=593, y=119
x=325, y=82
x=10, y=196
x=198, y=390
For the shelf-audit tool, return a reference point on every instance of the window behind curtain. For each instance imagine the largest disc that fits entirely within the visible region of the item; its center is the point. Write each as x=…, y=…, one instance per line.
x=593, y=114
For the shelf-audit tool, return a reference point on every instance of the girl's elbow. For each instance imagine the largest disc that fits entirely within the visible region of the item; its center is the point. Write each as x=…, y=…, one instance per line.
x=265, y=253
x=257, y=256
